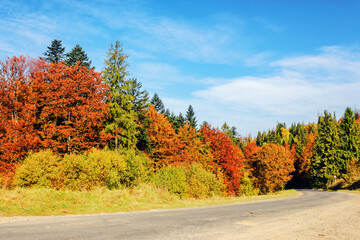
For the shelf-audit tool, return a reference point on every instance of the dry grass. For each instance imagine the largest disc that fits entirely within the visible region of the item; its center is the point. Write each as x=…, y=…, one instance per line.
x=41, y=202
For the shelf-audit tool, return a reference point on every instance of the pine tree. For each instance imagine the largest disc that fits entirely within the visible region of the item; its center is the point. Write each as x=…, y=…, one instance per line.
x=179, y=122
x=55, y=52
x=326, y=163
x=158, y=104
x=77, y=54
x=190, y=117
x=349, y=139
x=122, y=123
x=140, y=106
x=260, y=139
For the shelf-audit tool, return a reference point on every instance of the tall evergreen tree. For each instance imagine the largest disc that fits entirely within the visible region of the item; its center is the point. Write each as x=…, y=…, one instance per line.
x=260, y=138
x=326, y=163
x=190, y=117
x=140, y=106
x=55, y=52
x=349, y=139
x=158, y=104
x=122, y=122
x=179, y=122
x=77, y=54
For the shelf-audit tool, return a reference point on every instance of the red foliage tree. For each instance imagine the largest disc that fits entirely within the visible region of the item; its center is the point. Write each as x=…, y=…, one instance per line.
x=70, y=107
x=164, y=142
x=271, y=167
x=227, y=158
x=17, y=111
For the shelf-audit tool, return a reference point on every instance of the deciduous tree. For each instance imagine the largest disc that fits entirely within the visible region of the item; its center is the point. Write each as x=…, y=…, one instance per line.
x=17, y=111
x=70, y=107
x=164, y=142
x=228, y=159
x=270, y=167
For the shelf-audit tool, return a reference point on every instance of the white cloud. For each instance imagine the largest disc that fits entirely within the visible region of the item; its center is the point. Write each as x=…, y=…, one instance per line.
x=300, y=88
x=332, y=64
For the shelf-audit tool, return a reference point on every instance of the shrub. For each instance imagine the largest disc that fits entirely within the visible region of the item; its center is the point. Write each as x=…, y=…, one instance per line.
x=107, y=167
x=137, y=168
x=76, y=172
x=246, y=187
x=102, y=168
x=201, y=182
x=39, y=170
x=173, y=179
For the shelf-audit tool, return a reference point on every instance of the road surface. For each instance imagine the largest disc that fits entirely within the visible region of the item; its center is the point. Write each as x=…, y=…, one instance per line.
x=312, y=215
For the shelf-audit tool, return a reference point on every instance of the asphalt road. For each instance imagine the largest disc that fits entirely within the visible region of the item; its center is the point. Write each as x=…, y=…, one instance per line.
x=216, y=222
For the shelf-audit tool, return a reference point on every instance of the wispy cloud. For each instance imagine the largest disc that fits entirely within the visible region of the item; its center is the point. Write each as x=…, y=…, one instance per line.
x=297, y=91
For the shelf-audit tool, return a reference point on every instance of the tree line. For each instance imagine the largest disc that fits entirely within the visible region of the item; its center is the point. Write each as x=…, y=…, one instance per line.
x=59, y=103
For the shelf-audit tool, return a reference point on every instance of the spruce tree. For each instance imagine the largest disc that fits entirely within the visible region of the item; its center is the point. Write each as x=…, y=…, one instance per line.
x=77, y=54
x=190, y=117
x=158, y=104
x=326, y=163
x=179, y=122
x=122, y=122
x=260, y=139
x=55, y=52
x=140, y=106
x=349, y=140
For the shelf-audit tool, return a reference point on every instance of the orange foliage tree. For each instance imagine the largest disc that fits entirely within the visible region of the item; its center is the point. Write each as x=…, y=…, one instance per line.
x=164, y=142
x=70, y=107
x=17, y=111
x=193, y=149
x=270, y=167
x=227, y=158
x=249, y=150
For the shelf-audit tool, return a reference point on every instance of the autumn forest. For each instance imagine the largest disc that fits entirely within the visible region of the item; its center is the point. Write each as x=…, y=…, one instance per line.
x=64, y=125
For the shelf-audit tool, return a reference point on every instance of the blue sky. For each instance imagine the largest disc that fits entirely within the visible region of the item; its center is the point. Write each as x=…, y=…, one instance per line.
x=249, y=63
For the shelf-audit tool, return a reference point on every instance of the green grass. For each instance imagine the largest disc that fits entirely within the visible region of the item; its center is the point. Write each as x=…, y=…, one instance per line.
x=42, y=202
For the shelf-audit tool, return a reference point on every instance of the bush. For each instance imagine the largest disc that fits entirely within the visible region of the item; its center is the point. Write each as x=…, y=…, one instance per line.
x=107, y=167
x=137, y=169
x=202, y=183
x=76, y=172
x=173, y=179
x=38, y=170
x=246, y=187
x=189, y=181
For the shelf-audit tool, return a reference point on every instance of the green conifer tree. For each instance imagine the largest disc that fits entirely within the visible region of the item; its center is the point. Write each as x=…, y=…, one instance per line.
x=326, y=163
x=55, y=52
x=140, y=106
x=179, y=122
x=158, y=104
x=77, y=54
x=349, y=140
x=259, y=139
x=122, y=121
x=190, y=117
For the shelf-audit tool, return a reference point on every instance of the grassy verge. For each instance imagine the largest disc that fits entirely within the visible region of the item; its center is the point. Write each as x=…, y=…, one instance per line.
x=42, y=202
x=350, y=191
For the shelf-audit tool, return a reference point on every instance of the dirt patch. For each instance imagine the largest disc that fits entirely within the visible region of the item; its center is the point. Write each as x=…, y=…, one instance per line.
x=333, y=221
